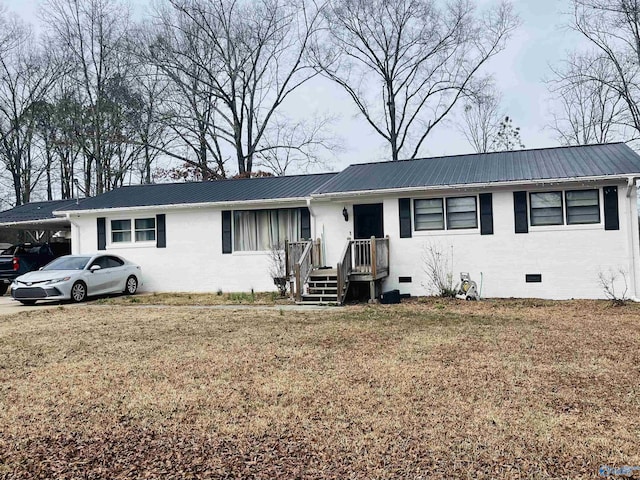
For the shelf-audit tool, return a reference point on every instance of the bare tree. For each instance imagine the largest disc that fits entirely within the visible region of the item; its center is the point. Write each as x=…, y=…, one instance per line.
x=250, y=56
x=587, y=110
x=507, y=137
x=406, y=63
x=481, y=118
x=93, y=33
x=25, y=78
x=613, y=29
x=189, y=112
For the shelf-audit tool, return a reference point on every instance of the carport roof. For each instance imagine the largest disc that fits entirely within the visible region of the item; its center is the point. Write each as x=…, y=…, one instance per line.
x=36, y=215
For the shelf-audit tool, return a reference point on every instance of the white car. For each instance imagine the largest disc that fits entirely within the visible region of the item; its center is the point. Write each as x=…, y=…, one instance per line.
x=75, y=277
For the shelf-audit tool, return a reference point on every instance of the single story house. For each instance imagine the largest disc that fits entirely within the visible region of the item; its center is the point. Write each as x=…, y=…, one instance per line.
x=532, y=223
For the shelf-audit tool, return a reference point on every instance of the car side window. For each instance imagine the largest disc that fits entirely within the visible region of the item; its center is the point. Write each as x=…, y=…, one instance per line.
x=114, y=262
x=101, y=262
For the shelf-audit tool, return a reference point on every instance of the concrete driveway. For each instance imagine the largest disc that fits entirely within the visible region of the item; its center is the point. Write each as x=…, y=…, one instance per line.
x=9, y=306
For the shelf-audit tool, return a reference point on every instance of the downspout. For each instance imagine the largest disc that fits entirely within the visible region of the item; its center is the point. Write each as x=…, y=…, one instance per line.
x=68, y=215
x=633, y=229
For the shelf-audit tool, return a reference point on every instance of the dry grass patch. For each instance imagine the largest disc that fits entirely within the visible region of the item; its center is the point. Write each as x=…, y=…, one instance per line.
x=203, y=299
x=422, y=390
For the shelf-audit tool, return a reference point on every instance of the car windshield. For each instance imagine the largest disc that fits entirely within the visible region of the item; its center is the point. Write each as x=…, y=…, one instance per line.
x=68, y=263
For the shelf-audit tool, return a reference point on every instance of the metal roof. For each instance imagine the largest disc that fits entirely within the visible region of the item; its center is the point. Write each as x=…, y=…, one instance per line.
x=520, y=165
x=233, y=190
x=35, y=213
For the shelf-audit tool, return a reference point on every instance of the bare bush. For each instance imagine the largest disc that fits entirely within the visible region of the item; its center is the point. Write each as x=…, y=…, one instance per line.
x=278, y=267
x=437, y=265
x=609, y=280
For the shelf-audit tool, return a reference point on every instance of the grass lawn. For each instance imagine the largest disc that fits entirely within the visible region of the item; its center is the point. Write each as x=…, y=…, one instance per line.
x=495, y=389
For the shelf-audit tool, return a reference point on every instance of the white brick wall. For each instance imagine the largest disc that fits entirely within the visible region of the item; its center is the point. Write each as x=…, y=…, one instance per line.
x=569, y=258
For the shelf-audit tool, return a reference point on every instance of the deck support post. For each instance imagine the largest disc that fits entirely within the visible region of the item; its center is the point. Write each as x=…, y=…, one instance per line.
x=298, y=283
x=372, y=290
x=373, y=257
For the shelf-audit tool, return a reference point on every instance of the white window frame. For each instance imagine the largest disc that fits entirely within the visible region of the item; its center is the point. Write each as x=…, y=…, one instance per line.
x=257, y=211
x=565, y=220
x=562, y=209
x=132, y=231
x=598, y=202
x=445, y=219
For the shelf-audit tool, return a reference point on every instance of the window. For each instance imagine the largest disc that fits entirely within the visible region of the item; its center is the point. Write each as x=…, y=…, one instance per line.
x=144, y=230
x=429, y=214
x=461, y=213
x=259, y=230
x=120, y=231
x=583, y=206
x=546, y=208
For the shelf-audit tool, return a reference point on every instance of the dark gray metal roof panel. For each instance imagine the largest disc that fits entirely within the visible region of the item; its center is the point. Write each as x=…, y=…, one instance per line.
x=34, y=211
x=520, y=165
x=220, y=191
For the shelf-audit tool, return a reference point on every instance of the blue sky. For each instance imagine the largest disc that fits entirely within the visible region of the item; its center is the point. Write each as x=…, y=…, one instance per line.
x=519, y=71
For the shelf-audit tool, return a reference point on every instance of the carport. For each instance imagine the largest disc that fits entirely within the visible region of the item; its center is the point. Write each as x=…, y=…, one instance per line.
x=36, y=222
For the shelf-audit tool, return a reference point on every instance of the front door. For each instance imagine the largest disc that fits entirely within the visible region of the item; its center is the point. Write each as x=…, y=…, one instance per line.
x=367, y=221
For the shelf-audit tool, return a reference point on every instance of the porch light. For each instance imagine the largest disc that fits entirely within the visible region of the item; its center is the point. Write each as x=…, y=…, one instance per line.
x=345, y=214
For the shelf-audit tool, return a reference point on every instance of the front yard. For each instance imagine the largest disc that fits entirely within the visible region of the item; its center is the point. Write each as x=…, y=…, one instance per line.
x=495, y=389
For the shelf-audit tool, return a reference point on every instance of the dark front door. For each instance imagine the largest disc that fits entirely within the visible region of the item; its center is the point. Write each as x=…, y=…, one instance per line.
x=367, y=221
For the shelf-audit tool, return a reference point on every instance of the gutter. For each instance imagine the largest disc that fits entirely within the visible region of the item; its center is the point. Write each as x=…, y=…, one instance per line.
x=184, y=206
x=30, y=222
x=473, y=186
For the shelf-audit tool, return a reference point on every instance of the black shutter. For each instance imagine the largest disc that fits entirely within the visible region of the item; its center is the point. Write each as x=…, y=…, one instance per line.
x=486, y=214
x=161, y=228
x=226, y=232
x=520, y=212
x=305, y=224
x=102, y=233
x=611, y=221
x=404, y=210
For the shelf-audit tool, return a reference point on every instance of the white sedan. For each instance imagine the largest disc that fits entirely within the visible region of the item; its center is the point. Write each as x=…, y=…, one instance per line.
x=75, y=277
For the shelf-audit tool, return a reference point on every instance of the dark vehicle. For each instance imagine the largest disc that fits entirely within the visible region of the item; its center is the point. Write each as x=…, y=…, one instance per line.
x=26, y=257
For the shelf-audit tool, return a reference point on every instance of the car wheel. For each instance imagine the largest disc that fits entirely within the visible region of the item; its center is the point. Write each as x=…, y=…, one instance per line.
x=3, y=288
x=78, y=292
x=28, y=302
x=131, y=287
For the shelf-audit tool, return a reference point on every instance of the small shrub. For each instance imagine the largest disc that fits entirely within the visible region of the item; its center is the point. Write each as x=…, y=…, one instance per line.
x=615, y=285
x=219, y=292
x=436, y=265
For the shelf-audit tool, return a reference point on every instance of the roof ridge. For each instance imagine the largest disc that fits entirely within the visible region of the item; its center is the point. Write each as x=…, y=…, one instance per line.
x=489, y=153
x=223, y=180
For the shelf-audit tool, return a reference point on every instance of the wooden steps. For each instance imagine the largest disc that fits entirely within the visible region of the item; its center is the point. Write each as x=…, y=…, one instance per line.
x=322, y=287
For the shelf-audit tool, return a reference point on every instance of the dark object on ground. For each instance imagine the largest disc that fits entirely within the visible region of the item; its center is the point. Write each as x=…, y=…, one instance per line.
x=392, y=296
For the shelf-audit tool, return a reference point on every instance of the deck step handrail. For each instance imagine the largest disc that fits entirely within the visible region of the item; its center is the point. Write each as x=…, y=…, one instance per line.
x=293, y=252
x=302, y=270
x=344, y=270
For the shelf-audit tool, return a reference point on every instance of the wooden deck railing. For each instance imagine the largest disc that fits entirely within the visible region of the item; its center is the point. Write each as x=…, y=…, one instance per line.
x=302, y=269
x=293, y=252
x=371, y=256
